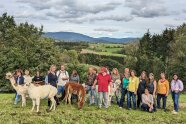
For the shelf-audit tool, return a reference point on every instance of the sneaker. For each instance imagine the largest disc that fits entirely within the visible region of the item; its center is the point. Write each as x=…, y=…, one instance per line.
x=15, y=103
x=174, y=112
x=120, y=107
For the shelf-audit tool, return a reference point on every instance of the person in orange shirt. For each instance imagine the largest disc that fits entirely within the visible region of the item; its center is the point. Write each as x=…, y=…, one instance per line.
x=162, y=91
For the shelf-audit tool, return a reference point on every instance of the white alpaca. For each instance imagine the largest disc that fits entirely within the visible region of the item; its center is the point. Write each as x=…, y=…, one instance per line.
x=20, y=89
x=36, y=93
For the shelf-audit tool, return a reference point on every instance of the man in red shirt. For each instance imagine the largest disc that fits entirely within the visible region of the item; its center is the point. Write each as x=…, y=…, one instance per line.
x=104, y=80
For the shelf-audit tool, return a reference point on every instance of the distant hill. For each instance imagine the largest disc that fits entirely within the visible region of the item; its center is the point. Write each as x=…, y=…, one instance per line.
x=77, y=37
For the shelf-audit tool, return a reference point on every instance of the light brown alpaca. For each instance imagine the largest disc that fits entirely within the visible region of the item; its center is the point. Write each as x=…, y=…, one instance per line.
x=21, y=90
x=75, y=88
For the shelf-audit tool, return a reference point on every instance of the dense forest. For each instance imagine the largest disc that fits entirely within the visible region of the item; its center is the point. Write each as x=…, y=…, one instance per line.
x=23, y=46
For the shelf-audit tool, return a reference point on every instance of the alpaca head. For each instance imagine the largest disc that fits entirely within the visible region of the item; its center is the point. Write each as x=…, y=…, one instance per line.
x=9, y=75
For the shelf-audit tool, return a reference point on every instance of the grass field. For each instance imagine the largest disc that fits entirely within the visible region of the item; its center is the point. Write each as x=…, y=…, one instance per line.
x=104, y=49
x=66, y=114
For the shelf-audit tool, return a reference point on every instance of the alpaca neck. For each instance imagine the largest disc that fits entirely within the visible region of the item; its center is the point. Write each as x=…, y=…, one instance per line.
x=12, y=80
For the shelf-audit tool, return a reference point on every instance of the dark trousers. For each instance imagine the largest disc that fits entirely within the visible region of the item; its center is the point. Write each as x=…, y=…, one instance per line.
x=139, y=100
x=129, y=95
x=123, y=93
x=164, y=98
x=145, y=107
x=175, y=98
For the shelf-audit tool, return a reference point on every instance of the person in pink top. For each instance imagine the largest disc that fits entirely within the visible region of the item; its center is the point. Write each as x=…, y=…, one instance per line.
x=176, y=88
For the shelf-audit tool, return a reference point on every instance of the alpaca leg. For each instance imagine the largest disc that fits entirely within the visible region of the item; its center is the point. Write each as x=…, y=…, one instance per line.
x=38, y=103
x=23, y=100
x=53, y=102
x=66, y=98
x=69, y=99
x=33, y=105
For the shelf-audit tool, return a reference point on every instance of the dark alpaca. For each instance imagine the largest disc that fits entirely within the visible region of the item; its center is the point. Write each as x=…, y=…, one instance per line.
x=77, y=89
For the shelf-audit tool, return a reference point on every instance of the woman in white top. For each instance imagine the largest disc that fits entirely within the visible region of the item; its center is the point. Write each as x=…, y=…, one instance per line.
x=27, y=77
x=147, y=101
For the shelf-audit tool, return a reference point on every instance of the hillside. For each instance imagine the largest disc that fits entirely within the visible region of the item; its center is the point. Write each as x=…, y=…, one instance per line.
x=77, y=37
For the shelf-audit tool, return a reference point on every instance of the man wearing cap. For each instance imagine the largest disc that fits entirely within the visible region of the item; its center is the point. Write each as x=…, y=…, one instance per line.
x=104, y=80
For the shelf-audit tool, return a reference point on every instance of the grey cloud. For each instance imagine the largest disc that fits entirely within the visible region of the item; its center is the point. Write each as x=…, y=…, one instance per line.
x=184, y=10
x=150, y=12
x=147, y=8
x=170, y=25
x=113, y=17
x=106, y=29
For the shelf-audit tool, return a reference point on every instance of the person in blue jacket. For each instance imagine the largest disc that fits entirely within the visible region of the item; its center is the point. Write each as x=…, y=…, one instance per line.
x=19, y=81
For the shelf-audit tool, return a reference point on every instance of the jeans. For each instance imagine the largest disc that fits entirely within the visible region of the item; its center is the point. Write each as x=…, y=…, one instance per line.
x=60, y=90
x=129, y=95
x=103, y=95
x=164, y=97
x=17, y=98
x=145, y=107
x=175, y=98
x=123, y=93
x=92, y=93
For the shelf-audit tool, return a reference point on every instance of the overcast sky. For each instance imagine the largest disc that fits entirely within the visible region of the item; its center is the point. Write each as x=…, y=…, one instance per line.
x=99, y=18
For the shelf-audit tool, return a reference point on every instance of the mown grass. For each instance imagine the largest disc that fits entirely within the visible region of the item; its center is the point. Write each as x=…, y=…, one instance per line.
x=66, y=114
x=105, y=49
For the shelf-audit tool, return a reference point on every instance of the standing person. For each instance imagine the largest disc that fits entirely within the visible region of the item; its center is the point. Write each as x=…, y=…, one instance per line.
x=89, y=86
x=147, y=101
x=116, y=83
x=132, y=89
x=176, y=88
x=52, y=80
x=104, y=80
x=124, y=91
x=162, y=91
x=63, y=78
x=19, y=81
x=27, y=77
x=151, y=86
x=37, y=77
x=46, y=78
x=141, y=87
x=75, y=77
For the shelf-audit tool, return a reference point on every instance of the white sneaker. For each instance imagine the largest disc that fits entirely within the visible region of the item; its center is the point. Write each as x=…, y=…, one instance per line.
x=175, y=112
x=120, y=107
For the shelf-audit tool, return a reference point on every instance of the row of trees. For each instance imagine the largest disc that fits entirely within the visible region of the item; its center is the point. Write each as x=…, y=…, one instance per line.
x=165, y=52
x=23, y=46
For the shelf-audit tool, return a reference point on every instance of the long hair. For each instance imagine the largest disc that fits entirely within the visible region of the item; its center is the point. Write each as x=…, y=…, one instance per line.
x=52, y=66
x=74, y=73
x=117, y=73
x=145, y=78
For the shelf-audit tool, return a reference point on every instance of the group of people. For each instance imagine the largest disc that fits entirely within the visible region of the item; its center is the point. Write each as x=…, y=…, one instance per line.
x=144, y=91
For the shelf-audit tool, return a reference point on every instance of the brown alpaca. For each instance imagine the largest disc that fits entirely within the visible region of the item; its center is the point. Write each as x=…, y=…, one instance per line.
x=75, y=88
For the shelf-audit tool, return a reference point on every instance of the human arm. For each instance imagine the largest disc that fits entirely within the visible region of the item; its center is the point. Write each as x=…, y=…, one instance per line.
x=155, y=88
x=167, y=87
x=137, y=84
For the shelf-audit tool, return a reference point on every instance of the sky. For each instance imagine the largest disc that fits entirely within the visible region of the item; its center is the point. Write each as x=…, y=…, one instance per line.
x=99, y=18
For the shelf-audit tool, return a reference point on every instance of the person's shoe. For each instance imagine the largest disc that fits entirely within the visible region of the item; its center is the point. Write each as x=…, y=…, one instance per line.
x=15, y=103
x=120, y=107
x=129, y=109
x=174, y=112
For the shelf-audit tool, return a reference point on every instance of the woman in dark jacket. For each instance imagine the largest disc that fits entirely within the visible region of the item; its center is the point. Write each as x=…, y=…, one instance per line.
x=141, y=87
x=52, y=80
x=37, y=77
